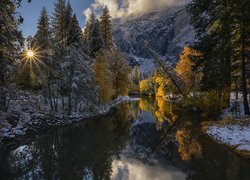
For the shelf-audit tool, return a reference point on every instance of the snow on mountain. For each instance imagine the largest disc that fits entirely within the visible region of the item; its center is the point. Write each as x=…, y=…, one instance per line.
x=167, y=31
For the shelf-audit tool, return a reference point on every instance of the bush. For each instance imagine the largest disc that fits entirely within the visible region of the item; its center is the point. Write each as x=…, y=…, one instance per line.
x=208, y=104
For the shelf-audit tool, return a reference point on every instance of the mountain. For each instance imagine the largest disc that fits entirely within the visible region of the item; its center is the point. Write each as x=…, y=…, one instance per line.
x=167, y=31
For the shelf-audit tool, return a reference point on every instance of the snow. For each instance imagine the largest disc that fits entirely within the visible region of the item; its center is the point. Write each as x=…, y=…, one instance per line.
x=240, y=110
x=234, y=135
x=24, y=116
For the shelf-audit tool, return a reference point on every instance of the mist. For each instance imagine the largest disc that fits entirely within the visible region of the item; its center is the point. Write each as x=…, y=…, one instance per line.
x=124, y=8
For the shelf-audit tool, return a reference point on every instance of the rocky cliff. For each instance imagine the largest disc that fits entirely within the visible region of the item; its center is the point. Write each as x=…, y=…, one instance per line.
x=167, y=31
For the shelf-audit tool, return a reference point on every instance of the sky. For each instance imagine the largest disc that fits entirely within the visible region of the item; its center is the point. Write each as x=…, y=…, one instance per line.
x=31, y=11
x=118, y=9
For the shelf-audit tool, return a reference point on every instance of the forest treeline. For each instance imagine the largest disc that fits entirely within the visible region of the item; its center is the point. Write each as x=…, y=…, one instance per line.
x=72, y=69
x=75, y=69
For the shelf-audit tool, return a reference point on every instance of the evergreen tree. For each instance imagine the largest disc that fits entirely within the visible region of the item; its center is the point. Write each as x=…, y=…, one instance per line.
x=223, y=39
x=59, y=26
x=43, y=40
x=95, y=40
x=240, y=15
x=10, y=42
x=68, y=17
x=213, y=27
x=75, y=33
x=89, y=25
x=106, y=28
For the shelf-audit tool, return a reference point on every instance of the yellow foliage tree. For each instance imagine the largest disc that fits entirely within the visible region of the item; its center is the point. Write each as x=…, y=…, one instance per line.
x=111, y=74
x=163, y=85
x=103, y=77
x=185, y=69
x=146, y=86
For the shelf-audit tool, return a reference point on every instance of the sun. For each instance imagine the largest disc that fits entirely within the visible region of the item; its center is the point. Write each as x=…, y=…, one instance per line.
x=30, y=54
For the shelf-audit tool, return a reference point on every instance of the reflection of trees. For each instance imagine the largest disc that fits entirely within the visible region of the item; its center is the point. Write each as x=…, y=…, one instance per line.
x=188, y=144
x=81, y=151
x=135, y=110
x=146, y=104
x=160, y=108
x=165, y=111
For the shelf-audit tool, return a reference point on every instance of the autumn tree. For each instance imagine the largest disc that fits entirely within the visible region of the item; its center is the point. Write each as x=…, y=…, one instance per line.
x=111, y=74
x=147, y=87
x=104, y=77
x=185, y=70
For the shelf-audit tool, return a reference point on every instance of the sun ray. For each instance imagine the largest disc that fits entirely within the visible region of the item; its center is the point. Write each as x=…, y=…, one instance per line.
x=32, y=59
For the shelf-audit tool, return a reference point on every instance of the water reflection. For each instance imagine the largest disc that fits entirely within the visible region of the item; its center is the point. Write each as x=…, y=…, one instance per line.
x=147, y=139
x=132, y=169
x=189, y=145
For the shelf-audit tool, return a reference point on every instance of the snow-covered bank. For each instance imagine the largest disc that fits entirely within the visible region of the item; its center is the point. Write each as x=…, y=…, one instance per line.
x=14, y=124
x=235, y=134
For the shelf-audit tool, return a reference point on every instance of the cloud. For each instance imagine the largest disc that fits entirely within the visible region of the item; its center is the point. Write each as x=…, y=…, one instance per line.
x=123, y=8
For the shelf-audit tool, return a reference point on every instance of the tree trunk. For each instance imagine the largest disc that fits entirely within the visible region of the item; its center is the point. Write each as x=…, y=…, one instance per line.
x=237, y=91
x=69, y=104
x=2, y=87
x=243, y=68
x=50, y=96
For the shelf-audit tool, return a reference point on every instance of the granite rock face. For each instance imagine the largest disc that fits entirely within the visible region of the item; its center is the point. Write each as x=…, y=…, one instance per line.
x=167, y=31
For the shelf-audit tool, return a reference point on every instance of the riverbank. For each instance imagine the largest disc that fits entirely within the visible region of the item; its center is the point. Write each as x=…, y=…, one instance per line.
x=28, y=119
x=234, y=133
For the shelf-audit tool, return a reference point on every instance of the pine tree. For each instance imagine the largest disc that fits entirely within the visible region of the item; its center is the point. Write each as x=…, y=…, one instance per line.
x=75, y=33
x=59, y=25
x=73, y=69
x=87, y=31
x=213, y=27
x=68, y=17
x=43, y=41
x=223, y=39
x=10, y=42
x=240, y=14
x=106, y=28
x=95, y=40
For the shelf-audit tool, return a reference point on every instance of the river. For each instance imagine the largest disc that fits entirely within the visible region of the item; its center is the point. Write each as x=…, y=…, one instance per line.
x=142, y=140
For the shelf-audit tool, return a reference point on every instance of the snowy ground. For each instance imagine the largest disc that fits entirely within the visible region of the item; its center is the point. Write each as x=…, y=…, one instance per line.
x=235, y=134
x=25, y=116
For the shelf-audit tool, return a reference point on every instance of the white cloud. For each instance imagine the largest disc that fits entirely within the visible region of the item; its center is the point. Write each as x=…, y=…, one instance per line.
x=123, y=8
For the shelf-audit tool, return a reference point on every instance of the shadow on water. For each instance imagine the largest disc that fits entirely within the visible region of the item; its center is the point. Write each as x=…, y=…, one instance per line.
x=146, y=139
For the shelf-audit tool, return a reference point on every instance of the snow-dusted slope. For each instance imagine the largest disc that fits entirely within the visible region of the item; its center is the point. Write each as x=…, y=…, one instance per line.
x=167, y=31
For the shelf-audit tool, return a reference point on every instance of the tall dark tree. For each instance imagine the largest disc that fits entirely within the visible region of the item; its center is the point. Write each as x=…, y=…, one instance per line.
x=59, y=26
x=223, y=39
x=240, y=14
x=89, y=25
x=43, y=42
x=213, y=27
x=68, y=16
x=10, y=42
x=75, y=33
x=95, y=40
x=106, y=28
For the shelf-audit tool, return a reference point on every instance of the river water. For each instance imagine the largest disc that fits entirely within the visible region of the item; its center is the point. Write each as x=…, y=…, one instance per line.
x=142, y=140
